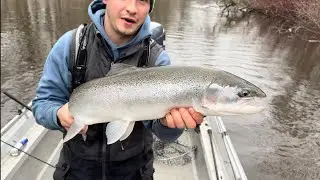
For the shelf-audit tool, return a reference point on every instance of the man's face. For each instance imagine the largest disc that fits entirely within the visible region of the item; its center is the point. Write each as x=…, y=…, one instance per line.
x=126, y=16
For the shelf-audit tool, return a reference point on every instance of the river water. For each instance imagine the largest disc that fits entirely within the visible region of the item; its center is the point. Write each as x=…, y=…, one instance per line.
x=282, y=142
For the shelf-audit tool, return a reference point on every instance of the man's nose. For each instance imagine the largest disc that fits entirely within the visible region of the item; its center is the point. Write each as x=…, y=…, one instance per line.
x=131, y=6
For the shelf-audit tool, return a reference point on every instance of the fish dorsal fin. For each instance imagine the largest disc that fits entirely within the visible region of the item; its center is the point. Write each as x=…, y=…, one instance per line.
x=119, y=68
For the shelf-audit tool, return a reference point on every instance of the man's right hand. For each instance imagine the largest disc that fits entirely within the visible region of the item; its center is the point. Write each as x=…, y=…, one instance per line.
x=66, y=119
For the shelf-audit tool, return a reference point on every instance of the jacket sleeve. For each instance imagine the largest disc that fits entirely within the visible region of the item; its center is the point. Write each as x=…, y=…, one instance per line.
x=161, y=131
x=54, y=85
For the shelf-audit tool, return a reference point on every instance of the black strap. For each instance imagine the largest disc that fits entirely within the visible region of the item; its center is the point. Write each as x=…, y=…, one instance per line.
x=78, y=66
x=143, y=61
x=80, y=63
x=156, y=51
x=72, y=50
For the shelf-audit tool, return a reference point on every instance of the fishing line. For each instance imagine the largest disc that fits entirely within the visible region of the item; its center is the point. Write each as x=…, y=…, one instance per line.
x=30, y=155
x=29, y=108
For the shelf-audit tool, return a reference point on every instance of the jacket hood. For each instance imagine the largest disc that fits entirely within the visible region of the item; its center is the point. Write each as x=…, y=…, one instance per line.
x=96, y=11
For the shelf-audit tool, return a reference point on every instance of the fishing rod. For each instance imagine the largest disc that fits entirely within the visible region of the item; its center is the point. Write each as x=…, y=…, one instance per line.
x=29, y=154
x=29, y=108
x=15, y=99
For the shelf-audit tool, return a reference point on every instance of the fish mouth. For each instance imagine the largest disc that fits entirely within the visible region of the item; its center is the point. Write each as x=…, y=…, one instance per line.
x=242, y=107
x=261, y=94
x=251, y=105
x=252, y=101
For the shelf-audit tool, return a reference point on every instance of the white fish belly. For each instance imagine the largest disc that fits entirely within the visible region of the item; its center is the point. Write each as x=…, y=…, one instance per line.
x=139, y=112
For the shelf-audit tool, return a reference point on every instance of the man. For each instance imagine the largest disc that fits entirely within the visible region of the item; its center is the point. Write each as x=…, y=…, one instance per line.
x=118, y=31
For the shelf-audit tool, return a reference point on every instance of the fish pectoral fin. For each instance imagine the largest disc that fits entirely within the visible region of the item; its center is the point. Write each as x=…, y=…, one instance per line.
x=116, y=130
x=74, y=129
x=196, y=104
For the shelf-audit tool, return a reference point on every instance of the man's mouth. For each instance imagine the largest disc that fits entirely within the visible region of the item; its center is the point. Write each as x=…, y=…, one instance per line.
x=129, y=20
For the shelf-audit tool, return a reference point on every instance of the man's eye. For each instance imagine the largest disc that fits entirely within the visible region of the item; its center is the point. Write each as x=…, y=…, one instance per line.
x=144, y=1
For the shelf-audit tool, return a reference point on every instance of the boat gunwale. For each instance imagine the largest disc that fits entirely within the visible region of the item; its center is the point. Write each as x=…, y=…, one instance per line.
x=238, y=172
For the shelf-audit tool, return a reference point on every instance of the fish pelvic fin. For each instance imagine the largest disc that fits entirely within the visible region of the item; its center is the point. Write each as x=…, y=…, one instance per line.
x=128, y=131
x=118, y=130
x=74, y=129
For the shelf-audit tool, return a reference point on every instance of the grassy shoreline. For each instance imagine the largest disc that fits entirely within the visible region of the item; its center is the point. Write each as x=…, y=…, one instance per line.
x=296, y=16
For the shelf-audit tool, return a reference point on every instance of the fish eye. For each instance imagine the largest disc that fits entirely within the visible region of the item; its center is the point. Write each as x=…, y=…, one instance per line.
x=244, y=93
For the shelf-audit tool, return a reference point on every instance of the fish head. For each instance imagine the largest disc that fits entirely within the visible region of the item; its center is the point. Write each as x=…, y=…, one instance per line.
x=233, y=97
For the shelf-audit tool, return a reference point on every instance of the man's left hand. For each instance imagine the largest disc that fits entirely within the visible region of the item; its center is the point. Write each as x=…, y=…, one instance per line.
x=182, y=118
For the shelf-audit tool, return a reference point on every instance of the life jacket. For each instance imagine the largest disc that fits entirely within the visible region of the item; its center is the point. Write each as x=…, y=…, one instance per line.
x=91, y=58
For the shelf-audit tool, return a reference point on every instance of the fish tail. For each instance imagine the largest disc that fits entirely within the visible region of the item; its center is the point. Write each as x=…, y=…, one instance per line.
x=75, y=128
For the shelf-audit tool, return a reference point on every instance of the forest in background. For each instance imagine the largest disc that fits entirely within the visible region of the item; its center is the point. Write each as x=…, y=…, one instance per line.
x=294, y=16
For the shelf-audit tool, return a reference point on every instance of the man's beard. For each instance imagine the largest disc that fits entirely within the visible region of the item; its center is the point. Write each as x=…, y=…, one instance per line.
x=129, y=32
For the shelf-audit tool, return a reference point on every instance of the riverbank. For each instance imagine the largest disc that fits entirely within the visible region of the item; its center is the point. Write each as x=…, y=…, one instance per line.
x=298, y=17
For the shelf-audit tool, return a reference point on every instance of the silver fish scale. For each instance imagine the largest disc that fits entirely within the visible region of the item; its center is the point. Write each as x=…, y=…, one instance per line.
x=145, y=93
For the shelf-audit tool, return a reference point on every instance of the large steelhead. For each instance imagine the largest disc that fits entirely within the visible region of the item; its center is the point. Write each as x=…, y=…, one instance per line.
x=128, y=94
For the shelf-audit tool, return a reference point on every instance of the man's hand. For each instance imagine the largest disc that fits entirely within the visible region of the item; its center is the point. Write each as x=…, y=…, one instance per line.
x=66, y=119
x=181, y=118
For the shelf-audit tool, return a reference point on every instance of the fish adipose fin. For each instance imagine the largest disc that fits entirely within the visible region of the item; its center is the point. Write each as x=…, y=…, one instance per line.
x=75, y=128
x=118, y=130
